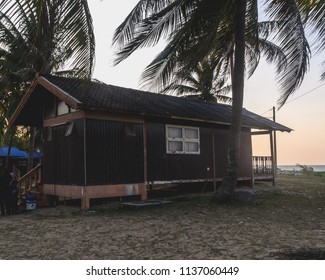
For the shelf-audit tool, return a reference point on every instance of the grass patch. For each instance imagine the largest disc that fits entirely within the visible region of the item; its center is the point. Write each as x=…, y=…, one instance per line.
x=285, y=220
x=320, y=174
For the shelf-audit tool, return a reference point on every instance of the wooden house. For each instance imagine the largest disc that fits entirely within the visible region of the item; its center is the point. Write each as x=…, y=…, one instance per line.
x=102, y=141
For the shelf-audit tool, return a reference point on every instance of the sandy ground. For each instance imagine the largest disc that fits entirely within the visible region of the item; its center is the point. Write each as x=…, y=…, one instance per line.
x=286, y=222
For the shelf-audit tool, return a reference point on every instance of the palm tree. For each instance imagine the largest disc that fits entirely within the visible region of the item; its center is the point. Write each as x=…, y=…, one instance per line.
x=43, y=36
x=208, y=79
x=205, y=82
x=47, y=35
x=196, y=28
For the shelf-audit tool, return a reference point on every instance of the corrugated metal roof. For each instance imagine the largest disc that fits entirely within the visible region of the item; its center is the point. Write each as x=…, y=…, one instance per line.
x=100, y=96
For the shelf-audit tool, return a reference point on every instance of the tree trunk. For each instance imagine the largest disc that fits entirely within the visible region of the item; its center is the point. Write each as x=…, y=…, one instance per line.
x=31, y=148
x=11, y=131
x=226, y=191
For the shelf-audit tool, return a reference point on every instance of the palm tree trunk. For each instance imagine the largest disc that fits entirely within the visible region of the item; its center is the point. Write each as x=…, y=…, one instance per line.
x=226, y=190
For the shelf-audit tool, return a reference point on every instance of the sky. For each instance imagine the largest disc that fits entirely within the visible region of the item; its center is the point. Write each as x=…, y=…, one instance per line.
x=304, y=111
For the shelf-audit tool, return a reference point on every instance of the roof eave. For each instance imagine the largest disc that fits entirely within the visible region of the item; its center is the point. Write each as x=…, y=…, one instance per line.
x=66, y=97
x=175, y=117
x=23, y=102
x=60, y=93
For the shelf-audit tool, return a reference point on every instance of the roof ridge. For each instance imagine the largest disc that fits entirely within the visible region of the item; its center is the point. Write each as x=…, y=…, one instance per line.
x=97, y=95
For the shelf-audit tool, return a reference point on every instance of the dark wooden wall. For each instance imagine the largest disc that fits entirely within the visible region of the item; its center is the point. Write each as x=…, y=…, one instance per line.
x=245, y=167
x=63, y=160
x=169, y=167
x=114, y=152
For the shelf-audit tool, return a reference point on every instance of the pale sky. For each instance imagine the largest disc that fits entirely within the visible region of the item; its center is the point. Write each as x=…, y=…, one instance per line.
x=305, y=115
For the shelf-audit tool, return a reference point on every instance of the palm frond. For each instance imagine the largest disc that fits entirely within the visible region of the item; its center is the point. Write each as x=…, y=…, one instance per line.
x=159, y=72
x=150, y=30
x=145, y=9
x=53, y=32
x=252, y=59
x=188, y=45
x=316, y=16
x=195, y=28
x=293, y=42
x=180, y=89
x=14, y=46
x=79, y=35
x=273, y=54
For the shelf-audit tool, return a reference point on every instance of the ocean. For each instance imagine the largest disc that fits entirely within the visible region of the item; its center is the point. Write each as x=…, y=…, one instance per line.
x=317, y=168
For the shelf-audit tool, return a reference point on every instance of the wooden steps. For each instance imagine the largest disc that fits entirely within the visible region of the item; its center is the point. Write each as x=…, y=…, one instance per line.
x=31, y=184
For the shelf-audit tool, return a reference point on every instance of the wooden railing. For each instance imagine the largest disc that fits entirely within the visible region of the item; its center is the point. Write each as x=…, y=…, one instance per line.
x=262, y=165
x=16, y=171
x=31, y=181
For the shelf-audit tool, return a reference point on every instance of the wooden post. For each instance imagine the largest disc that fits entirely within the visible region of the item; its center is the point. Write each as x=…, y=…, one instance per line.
x=275, y=150
x=145, y=159
x=214, y=161
x=272, y=158
x=85, y=150
x=252, y=162
x=85, y=202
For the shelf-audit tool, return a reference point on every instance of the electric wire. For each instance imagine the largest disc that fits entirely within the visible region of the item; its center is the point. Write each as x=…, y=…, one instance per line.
x=304, y=94
x=310, y=91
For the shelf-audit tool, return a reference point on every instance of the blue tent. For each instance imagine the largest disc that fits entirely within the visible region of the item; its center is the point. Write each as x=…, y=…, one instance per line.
x=15, y=152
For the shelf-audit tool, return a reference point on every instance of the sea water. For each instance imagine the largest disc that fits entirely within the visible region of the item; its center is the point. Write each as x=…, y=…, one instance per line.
x=316, y=168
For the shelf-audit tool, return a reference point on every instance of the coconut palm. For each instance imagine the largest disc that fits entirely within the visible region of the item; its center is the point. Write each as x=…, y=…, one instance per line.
x=43, y=36
x=47, y=36
x=208, y=80
x=194, y=29
x=205, y=82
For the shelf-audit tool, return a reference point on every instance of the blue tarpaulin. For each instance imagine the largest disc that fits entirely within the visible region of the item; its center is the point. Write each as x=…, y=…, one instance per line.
x=15, y=152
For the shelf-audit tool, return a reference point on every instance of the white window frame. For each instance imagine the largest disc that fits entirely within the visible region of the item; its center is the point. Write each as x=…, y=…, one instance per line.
x=183, y=140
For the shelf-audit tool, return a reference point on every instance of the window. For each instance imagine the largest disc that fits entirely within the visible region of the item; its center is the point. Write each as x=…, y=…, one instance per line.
x=182, y=140
x=55, y=107
x=62, y=108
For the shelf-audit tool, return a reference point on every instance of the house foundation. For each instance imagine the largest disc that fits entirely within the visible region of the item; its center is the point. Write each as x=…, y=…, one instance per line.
x=85, y=193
